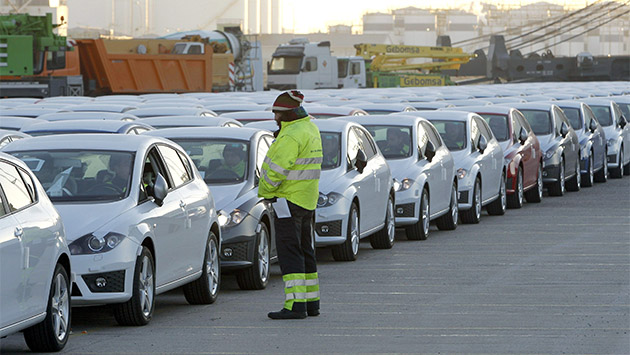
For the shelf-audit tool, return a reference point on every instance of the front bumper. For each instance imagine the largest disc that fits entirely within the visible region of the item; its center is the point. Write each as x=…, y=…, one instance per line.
x=464, y=198
x=407, y=209
x=550, y=173
x=335, y=220
x=612, y=160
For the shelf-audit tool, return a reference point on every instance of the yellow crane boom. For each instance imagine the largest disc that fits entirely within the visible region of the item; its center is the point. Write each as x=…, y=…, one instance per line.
x=391, y=57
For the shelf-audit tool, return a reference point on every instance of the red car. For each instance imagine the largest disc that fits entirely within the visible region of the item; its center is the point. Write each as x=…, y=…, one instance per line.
x=521, y=152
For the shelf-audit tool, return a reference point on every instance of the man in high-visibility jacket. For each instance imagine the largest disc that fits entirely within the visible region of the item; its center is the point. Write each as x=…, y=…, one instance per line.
x=290, y=178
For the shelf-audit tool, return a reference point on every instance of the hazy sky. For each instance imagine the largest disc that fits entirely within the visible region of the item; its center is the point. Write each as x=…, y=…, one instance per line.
x=311, y=16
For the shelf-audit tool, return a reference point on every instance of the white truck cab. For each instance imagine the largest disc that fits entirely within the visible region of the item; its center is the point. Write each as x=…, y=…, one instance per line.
x=189, y=48
x=302, y=65
x=351, y=72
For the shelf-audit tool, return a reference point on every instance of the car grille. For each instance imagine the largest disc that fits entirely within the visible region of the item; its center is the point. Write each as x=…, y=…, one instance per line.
x=239, y=252
x=611, y=158
x=115, y=281
x=332, y=228
x=463, y=197
x=405, y=210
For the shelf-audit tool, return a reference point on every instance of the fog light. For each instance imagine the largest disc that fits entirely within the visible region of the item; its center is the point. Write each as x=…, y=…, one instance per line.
x=324, y=229
x=544, y=173
x=100, y=282
x=227, y=252
x=400, y=210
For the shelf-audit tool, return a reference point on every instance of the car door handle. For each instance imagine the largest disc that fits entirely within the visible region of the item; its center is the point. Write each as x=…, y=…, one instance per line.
x=182, y=204
x=19, y=232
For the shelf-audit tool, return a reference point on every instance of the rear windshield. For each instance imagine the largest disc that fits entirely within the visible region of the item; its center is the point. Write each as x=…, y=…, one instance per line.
x=603, y=115
x=393, y=141
x=499, y=126
x=453, y=133
x=86, y=175
x=539, y=120
x=331, y=146
x=573, y=114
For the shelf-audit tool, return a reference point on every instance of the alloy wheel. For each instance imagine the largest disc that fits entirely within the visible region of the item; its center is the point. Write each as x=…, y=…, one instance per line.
x=454, y=205
x=354, y=231
x=425, y=214
x=561, y=177
x=146, y=287
x=391, y=223
x=263, y=256
x=212, y=267
x=519, y=188
x=60, y=307
x=477, y=200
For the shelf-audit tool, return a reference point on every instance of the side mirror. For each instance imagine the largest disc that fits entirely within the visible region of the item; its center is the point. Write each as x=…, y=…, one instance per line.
x=160, y=190
x=564, y=130
x=482, y=144
x=361, y=161
x=592, y=126
x=429, y=152
x=522, y=135
x=622, y=122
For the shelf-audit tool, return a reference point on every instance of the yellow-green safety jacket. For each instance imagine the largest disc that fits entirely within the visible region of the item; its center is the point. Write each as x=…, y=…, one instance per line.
x=292, y=166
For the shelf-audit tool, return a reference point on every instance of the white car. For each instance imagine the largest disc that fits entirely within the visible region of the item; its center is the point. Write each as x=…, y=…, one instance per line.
x=478, y=159
x=139, y=218
x=35, y=272
x=425, y=178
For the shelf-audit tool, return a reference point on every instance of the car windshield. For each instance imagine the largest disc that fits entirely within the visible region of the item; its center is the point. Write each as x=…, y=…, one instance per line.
x=380, y=112
x=625, y=109
x=324, y=115
x=218, y=161
x=573, y=114
x=453, y=133
x=331, y=150
x=393, y=141
x=285, y=65
x=539, y=120
x=85, y=175
x=499, y=126
x=603, y=115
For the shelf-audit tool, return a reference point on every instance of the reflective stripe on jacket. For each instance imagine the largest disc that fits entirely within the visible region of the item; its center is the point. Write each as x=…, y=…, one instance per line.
x=292, y=166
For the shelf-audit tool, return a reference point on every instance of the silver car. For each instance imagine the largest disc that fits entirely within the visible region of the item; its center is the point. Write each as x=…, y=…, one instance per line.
x=425, y=178
x=478, y=159
x=139, y=218
x=617, y=130
x=35, y=272
x=230, y=160
x=86, y=126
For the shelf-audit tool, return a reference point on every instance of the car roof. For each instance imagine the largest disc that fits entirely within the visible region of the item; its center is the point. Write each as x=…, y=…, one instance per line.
x=83, y=125
x=545, y=106
x=17, y=121
x=62, y=116
x=450, y=115
x=597, y=101
x=242, y=133
x=401, y=120
x=10, y=132
x=569, y=103
x=494, y=109
x=93, y=141
x=187, y=120
x=333, y=125
x=167, y=111
x=250, y=115
x=29, y=112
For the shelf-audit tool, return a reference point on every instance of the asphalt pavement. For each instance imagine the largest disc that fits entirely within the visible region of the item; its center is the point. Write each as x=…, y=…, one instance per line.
x=550, y=278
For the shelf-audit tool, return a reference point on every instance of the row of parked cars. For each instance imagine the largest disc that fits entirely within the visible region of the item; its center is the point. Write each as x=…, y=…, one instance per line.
x=115, y=199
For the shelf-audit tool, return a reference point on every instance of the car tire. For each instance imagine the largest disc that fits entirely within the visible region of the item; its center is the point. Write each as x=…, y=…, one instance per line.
x=498, y=206
x=256, y=277
x=420, y=230
x=617, y=173
x=449, y=220
x=626, y=169
x=557, y=188
x=205, y=289
x=384, y=239
x=136, y=311
x=576, y=181
x=589, y=178
x=473, y=215
x=52, y=333
x=349, y=250
x=515, y=200
x=535, y=194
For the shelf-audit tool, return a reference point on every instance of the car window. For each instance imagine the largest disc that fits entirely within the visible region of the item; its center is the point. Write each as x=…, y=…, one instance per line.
x=261, y=152
x=522, y=121
x=178, y=172
x=353, y=148
x=498, y=125
x=331, y=149
x=475, y=133
x=625, y=109
x=3, y=210
x=453, y=133
x=484, y=129
x=219, y=161
x=15, y=190
x=434, y=136
x=393, y=141
x=366, y=143
x=561, y=118
x=81, y=175
x=30, y=185
x=603, y=114
x=310, y=64
x=342, y=68
x=423, y=138
x=618, y=113
x=539, y=121
x=573, y=114
x=152, y=167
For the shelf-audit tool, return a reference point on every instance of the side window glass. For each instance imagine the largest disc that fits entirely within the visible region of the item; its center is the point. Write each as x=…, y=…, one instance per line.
x=474, y=132
x=557, y=118
x=150, y=172
x=434, y=136
x=516, y=128
x=366, y=144
x=589, y=113
x=30, y=185
x=353, y=147
x=3, y=210
x=484, y=129
x=523, y=122
x=186, y=163
x=355, y=68
x=310, y=64
x=175, y=166
x=423, y=138
x=261, y=152
x=15, y=189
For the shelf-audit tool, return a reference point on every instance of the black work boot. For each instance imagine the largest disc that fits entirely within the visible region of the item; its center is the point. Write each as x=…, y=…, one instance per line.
x=286, y=314
x=313, y=312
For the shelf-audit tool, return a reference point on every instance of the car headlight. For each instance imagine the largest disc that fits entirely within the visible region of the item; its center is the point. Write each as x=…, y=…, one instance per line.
x=328, y=200
x=403, y=185
x=233, y=218
x=550, y=153
x=611, y=143
x=91, y=244
x=461, y=173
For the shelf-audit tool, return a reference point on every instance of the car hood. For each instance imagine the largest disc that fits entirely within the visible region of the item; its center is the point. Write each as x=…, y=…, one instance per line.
x=461, y=158
x=405, y=168
x=228, y=196
x=504, y=146
x=611, y=132
x=330, y=180
x=546, y=142
x=81, y=219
